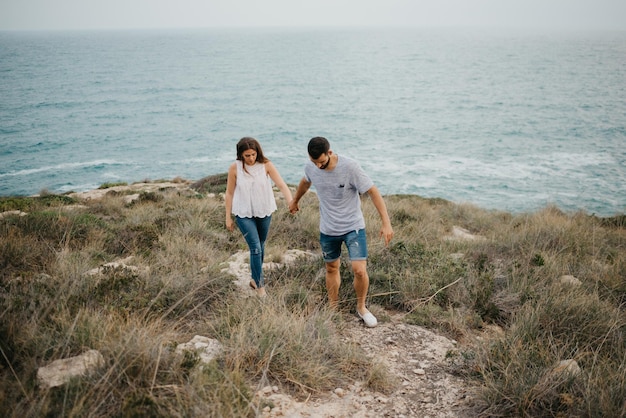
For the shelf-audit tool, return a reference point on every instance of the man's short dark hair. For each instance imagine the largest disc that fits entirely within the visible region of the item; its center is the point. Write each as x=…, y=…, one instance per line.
x=318, y=146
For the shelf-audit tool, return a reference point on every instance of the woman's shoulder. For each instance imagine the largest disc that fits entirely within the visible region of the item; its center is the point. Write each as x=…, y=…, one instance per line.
x=232, y=168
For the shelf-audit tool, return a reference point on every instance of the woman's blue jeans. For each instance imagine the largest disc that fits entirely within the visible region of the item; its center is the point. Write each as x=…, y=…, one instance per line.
x=255, y=232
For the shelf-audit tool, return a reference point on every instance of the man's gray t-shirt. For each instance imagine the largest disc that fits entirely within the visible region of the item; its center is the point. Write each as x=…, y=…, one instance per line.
x=338, y=191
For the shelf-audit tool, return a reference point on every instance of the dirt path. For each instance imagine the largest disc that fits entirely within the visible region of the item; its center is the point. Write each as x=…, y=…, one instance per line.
x=413, y=355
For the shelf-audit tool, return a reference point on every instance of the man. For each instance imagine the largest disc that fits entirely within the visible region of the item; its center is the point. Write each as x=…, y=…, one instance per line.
x=339, y=182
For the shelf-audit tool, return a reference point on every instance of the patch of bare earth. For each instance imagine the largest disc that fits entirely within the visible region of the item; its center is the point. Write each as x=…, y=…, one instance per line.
x=412, y=355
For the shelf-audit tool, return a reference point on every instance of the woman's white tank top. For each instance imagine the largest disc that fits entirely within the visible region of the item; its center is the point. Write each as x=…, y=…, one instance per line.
x=253, y=196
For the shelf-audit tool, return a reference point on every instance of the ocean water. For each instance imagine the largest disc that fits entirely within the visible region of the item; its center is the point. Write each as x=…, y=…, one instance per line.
x=502, y=119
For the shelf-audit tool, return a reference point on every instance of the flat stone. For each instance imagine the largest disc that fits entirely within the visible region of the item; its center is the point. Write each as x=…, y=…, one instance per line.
x=569, y=279
x=206, y=348
x=61, y=371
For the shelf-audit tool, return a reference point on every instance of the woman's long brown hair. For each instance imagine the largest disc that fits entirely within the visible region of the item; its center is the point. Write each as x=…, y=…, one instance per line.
x=247, y=143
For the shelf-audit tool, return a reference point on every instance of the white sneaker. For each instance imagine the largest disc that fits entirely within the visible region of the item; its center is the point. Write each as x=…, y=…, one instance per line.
x=369, y=319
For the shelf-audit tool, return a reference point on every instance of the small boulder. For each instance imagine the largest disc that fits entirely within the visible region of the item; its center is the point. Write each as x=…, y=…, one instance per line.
x=61, y=371
x=570, y=280
x=462, y=234
x=114, y=266
x=12, y=213
x=128, y=199
x=569, y=367
x=206, y=348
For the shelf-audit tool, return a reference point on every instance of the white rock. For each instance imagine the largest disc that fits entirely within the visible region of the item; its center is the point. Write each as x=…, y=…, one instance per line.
x=462, y=234
x=61, y=371
x=238, y=265
x=291, y=256
x=206, y=348
x=569, y=279
x=135, y=187
x=569, y=366
x=114, y=265
x=128, y=199
x=12, y=213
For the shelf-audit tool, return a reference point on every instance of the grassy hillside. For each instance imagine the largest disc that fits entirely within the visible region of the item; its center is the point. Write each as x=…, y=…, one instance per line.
x=506, y=281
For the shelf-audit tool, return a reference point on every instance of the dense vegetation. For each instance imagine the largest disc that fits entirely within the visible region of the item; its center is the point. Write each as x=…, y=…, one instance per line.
x=507, y=283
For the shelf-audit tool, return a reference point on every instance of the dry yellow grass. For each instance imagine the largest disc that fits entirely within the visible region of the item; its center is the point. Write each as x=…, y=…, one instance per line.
x=507, y=278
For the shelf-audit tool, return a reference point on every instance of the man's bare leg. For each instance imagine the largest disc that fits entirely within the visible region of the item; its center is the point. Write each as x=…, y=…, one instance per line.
x=333, y=281
x=361, y=286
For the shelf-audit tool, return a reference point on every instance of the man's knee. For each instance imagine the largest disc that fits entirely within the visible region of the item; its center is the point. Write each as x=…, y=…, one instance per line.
x=332, y=267
x=360, y=270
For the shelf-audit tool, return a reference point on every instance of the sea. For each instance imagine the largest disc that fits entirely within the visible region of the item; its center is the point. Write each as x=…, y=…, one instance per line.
x=504, y=119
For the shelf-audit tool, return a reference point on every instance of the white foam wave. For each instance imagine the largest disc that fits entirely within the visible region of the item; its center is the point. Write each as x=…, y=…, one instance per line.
x=508, y=167
x=59, y=167
x=78, y=187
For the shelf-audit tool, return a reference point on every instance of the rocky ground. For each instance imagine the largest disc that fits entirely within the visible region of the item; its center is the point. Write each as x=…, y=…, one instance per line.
x=414, y=356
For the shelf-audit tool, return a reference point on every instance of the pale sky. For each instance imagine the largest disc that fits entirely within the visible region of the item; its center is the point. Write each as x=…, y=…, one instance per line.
x=142, y=14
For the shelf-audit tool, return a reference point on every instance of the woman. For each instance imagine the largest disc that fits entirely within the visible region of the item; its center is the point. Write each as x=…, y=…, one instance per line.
x=249, y=196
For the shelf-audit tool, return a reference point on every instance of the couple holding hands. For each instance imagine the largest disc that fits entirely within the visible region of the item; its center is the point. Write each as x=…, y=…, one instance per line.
x=338, y=180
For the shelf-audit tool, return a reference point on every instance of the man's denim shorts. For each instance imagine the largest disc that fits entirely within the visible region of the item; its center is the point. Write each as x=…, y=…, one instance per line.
x=356, y=242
